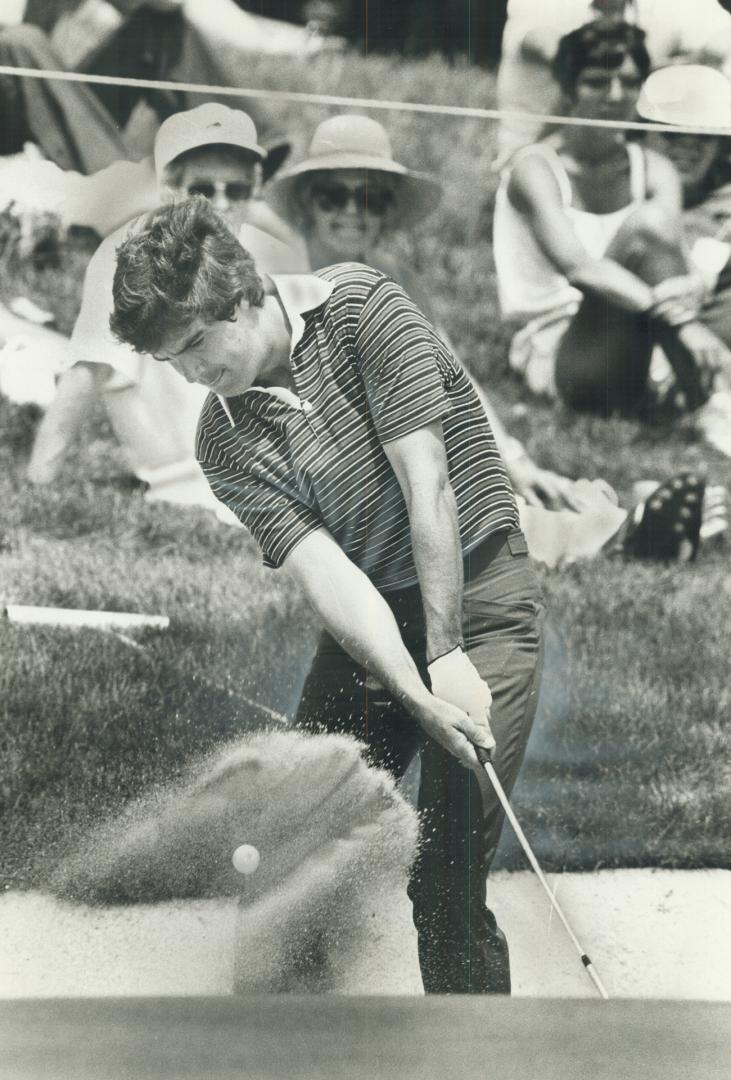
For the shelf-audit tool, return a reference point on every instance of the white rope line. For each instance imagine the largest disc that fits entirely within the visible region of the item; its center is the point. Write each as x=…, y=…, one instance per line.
x=461, y=111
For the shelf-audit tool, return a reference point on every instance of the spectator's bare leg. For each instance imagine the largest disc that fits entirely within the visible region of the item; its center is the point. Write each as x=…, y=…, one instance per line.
x=603, y=360
x=65, y=119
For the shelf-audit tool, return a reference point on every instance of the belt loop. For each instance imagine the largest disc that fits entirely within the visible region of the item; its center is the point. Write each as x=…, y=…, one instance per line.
x=517, y=544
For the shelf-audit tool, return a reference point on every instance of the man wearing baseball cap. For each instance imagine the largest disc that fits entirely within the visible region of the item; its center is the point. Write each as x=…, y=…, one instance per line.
x=111, y=197
x=213, y=151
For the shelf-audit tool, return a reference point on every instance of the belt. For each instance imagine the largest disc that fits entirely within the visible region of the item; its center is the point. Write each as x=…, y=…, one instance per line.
x=510, y=542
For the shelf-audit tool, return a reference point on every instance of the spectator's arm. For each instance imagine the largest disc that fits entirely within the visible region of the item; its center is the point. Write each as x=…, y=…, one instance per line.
x=59, y=428
x=534, y=191
x=539, y=487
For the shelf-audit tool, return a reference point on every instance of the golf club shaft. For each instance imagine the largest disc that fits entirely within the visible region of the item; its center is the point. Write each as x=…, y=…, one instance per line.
x=486, y=762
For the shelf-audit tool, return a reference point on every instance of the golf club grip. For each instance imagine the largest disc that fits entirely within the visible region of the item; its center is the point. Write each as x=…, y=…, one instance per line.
x=483, y=756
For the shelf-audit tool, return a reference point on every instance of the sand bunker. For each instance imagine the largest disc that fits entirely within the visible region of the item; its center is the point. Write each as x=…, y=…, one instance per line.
x=150, y=903
x=655, y=934
x=330, y=832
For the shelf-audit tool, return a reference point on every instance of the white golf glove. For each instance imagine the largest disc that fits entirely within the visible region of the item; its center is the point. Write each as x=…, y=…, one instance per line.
x=454, y=678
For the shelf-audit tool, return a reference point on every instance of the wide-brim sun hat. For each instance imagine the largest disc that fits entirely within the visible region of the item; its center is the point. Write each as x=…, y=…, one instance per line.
x=352, y=141
x=214, y=124
x=688, y=95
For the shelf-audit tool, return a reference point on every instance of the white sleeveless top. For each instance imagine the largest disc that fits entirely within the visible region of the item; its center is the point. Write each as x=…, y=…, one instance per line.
x=528, y=283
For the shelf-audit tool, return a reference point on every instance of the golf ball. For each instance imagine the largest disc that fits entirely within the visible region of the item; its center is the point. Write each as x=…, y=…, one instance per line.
x=246, y=858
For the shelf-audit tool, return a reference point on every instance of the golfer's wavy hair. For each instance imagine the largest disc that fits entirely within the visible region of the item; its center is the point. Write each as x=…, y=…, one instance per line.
x=602, y=43
x=184, y=265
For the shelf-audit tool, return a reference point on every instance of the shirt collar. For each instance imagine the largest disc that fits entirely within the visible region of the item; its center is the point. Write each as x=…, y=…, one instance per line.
x=300, y=293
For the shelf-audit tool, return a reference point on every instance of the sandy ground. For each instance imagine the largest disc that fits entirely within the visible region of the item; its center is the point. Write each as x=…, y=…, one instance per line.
x=655, y=934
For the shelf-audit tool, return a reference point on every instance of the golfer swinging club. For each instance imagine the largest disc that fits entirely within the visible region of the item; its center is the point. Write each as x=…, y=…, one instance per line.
x=351, y=444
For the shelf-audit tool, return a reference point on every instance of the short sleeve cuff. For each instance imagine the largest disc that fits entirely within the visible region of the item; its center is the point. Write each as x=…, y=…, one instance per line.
x=274, y=554
x=419, y=417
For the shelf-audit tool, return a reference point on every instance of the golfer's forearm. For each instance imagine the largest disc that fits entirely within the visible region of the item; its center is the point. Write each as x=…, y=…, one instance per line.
x=435, y=541
x=355, y=614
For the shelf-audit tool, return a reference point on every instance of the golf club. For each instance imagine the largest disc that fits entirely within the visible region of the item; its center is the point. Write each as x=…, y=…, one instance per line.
x=485, y=759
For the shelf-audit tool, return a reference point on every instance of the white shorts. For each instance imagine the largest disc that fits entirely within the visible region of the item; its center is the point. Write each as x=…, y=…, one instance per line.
x=534, y=347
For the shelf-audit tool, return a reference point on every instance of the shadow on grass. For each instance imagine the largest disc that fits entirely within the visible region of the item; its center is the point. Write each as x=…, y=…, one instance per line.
x=89, y=722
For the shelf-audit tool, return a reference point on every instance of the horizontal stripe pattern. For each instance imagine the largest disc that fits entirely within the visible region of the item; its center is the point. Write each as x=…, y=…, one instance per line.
x=372, y=369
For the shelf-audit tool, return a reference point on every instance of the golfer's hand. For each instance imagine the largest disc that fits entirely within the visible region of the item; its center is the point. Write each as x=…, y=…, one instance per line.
x=455, y=679
x=455, y=730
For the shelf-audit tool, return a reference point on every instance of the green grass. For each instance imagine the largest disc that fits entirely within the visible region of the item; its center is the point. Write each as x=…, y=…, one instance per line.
x=626, y=766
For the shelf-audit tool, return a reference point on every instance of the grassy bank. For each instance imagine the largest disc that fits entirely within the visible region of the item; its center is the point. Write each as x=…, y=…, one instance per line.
x=626, y=767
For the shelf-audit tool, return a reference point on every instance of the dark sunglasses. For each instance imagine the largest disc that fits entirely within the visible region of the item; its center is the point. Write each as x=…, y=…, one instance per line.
x=373, y=199
x=234, y=190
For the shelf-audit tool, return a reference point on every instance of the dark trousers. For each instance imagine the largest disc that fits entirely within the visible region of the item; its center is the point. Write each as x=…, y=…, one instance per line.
x=461, y=947
x=717, y=309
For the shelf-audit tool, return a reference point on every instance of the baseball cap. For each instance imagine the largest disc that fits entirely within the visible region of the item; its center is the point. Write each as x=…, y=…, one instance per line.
x=205, y=125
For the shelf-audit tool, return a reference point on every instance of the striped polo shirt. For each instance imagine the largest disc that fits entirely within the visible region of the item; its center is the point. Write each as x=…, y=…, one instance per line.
x=368, y=368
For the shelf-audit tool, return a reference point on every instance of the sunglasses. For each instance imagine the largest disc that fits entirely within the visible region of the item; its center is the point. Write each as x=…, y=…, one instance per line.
x=365, y=197
x=234, y=190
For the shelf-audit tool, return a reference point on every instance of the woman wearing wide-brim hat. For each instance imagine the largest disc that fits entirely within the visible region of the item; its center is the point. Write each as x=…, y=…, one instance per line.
x=348, y=143
x=698, y=97
x=350, y=194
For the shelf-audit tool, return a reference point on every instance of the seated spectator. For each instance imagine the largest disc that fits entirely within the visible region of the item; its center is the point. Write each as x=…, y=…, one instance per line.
x=588, y=233
x=87, y=127
x=676, y=30
x=689, y=96
x=65, y=120
x=347, y=198
x=211, y=150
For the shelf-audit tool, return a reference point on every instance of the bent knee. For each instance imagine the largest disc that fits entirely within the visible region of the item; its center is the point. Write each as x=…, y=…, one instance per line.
x=24, y=41
x=652, y=223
